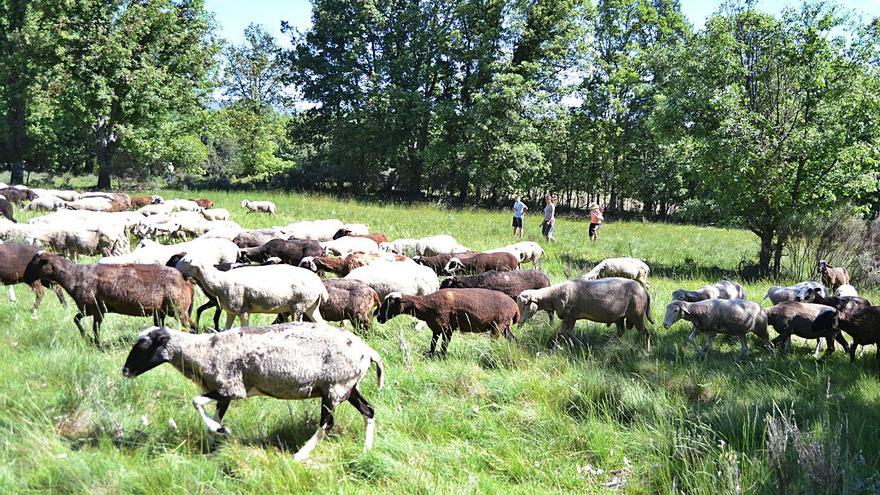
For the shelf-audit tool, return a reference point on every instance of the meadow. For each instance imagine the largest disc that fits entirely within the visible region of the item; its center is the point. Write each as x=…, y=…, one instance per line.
x=491, y=417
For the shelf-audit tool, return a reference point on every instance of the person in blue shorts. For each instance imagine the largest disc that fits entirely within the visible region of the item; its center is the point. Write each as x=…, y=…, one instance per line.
x=519, y=210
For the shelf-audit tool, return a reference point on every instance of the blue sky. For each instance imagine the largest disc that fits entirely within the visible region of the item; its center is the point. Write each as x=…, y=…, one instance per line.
x=234, y=15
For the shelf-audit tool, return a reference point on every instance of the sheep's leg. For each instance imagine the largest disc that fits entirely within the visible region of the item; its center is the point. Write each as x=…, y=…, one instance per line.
x=245, y=319
x=313, y=313
x=217, y=313
x=78, y=321
x=818, y=348
x=361, y=404
x=11, y=292
x=709, y=340
x=210, y=304
x=434, y=336
x=230, y=319
x=38, y=298
x=213, y=425
x=97, y=319
x=744, y=346
x=852, y=351
x=842, y=341
x=326, y=423
x=693, y=338
x=447, y=336
x=621, y=325
x=60, y=293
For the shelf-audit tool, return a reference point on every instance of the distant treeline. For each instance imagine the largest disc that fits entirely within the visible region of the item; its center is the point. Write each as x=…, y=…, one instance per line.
x=752, y=119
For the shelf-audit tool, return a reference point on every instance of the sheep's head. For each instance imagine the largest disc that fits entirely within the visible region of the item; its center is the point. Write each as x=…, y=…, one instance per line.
x=243, y=255
x=41, y=266
x=191, y=268
x=341, y=233
x=309, y=263
x=453, y=265
x=150, y=350
x=822, y=266
x=451, y=283
x=676, y=310
x=808, y=294
x=174, y=260
x=245, y=203
x=157, y=200
x=527, y=301
x=679, y=295
x=391, y=306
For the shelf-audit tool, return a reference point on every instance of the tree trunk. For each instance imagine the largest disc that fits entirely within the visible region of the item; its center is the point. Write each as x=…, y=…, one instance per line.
x=777, y=256
x=766, y=251
x=16, y=90
x=106, y=142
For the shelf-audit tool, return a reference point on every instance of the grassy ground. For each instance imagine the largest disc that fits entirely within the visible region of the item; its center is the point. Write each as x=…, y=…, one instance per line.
x=491, y=417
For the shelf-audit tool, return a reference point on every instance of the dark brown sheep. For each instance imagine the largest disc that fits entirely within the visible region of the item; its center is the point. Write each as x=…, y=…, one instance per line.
x=377, y=238
x=510, y=283
x=350, y=300
x=342, y=266
x=438, y=262
x=465, y=310
x=864, y=328
x=17, y=196
x=141, y=201
x=14, y=259
x=290, y=252
x=134, y=290
x=482, y=262
x=833, y=277
x=6, y=209
x=203, y=202
x=806, y=320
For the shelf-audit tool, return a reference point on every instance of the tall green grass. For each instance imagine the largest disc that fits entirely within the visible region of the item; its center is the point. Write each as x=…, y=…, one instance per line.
x=493, y=416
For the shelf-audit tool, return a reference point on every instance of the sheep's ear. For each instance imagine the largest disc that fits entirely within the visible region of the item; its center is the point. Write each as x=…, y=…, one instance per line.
x=684, y=309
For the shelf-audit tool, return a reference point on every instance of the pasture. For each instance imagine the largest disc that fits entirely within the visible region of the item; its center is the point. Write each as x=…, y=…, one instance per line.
x=491, y=417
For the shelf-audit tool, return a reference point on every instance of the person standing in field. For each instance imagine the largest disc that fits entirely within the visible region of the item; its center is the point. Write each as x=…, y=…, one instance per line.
x=549, y=218
x=595, y=221
x=519, y=209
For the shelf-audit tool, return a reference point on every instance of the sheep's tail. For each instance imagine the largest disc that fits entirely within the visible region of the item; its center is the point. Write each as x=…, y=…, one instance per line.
x=648, y=307
x=380, y=368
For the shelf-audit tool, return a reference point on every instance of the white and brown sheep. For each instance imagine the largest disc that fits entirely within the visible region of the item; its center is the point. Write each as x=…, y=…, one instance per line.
x=292, y=361
x=806, y=320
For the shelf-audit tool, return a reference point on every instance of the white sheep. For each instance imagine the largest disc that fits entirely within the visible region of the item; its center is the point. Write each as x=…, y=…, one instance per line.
x=66, y=195
x=156, y=209
x=258, y=206
x=386, y=277
x=439, y=244
x=846, y=290
x=315, y=230
x=46, y=203
x=797, y=292
x=271, y=289
x=525, y=251
x=713, y=316
x=182, y=205
x=214, y=214
x=406, y=247
x=631, y=268
x=211, y=251
x=292, y=361
x=347, y=245
x=91, y=203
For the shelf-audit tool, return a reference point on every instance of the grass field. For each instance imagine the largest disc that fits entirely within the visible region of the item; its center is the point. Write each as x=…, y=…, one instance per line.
x=492, y=417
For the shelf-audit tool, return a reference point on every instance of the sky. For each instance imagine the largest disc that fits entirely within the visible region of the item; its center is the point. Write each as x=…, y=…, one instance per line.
x=234, y=15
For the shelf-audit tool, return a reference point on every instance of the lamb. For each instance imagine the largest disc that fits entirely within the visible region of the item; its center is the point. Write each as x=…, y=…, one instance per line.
x=778, y=294
x=14, y=259
x=211, y=251
x=6, y=209
x=347, y=245
x=482, y=262
x=386, y=277
x=344, y=232
x=723, y=289
x=350, y=300
x=833, y=277
x=259, y=289
x=465, y=310
x=46, y=203
x=214, y=214
x=343, y=266
x=259, y=206
x=631, y=268
x=806, y=320
x=728, y=316
x=134, y=290
x=609, y=300
x=203, y=203
x=291, y=252
x=293, y=361
x=525, y=251
x=438, y=263
x=846, y=290
x=864, y=328
x=510, y=283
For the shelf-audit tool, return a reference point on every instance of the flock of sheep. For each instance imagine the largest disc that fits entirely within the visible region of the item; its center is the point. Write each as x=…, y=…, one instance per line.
x=184, y=244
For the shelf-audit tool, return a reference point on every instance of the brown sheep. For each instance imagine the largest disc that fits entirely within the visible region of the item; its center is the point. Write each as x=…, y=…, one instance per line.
x=377, y=238
x=806, y=320
x=342, y=266
x=510, y=283
x=833, y=277
x=203, y=202
x=134, y=290
x=482, y=262
x=6, y=209
x=141, y=201
x=14, y=259
x=438, y=262
x=350, y=300
x=17, y=196
x=864, y=328
x=465, y=310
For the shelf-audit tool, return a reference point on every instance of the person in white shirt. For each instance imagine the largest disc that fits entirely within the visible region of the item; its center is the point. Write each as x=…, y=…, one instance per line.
x=549, y=218
x=519, y=210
